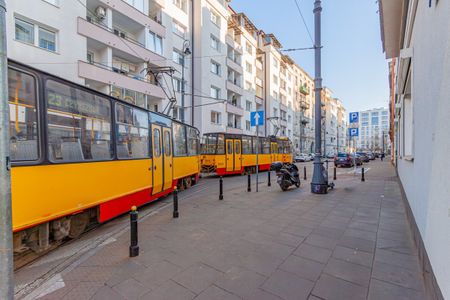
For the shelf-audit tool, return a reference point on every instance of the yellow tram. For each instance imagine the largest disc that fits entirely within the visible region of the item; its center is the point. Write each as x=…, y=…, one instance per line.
x=79, y=157
x=225, y=154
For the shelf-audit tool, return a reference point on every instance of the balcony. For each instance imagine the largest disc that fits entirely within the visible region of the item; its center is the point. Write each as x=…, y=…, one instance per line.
x=304, y=105
x=108, y=75
x=134, y=14
x=106, y=36
x=235, y=87
x=304, y=90
x=234, y=65
x=234, y=130
x=231, y=42
x=235, y=109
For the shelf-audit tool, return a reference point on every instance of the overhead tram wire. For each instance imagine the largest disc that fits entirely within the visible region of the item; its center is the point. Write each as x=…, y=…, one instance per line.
x=304, y=22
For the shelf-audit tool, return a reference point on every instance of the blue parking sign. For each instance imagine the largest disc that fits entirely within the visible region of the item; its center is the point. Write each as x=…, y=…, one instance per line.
x=353, y=132
x=354, y=117
x=257, y=118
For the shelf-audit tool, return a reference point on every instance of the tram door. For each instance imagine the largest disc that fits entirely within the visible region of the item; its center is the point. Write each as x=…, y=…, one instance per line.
x=229, y=156
x=168, y=162
x=157, y=159
x=274, y=151
x=237, y=155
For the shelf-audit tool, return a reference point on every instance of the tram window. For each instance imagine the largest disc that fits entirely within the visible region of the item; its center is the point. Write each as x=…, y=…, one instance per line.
x=79, y=124
x=179, y=139
x=255, y=144
x=156, y=142
x=246, y=145
x=230, y=147
x=280, y=145
x=22, y=116
x=132, y=132
x=209, y=144
x=266, y=146
x=167, y=148
x=220, y=144
x=192, y=141
x=237, y=148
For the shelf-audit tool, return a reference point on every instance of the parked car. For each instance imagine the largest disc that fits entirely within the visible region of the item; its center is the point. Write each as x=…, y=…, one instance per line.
x=358, y=160
x=343, y=160
x=311, y=155
x=364, y=157
x=302, y=157
x=371, y=155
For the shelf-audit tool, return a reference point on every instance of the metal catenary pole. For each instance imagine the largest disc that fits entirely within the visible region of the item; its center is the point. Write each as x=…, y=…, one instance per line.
x=318, y=183
x=6, y=254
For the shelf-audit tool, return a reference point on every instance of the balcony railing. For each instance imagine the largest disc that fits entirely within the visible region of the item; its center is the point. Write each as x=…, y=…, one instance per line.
x=122, y=72
x=119, y=34
x=304, y=90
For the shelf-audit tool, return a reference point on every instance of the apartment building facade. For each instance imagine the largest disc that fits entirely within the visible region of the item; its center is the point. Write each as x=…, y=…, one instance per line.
x=374, y=130
x=416, y=40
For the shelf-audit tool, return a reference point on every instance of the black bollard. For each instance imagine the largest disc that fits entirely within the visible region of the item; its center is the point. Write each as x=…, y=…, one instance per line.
x=362, y=175
x=221, y=188
x=175, y=203
x=304, y=173
x=268, y=178
x=334, y=174
x=249, y=183
x=134, y=248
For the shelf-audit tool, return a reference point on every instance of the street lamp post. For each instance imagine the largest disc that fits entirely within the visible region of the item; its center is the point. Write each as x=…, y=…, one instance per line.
x=319, y=184
x=186, y=52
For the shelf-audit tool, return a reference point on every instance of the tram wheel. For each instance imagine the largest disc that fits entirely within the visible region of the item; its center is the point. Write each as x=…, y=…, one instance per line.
x=78, y=224
x=188, y=182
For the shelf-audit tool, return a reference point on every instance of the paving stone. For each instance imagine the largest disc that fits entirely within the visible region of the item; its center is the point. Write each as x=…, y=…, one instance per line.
x=124, y=271
x=131, y=289
x=386, y=291
x=364, y=226
x=314, y=253
x=362, y=234
x=348, y=271
x=398, y=275
x=328, y=232
x=170, y=290
x=214, y=292
x=332, y=288
x=157, y=274
x=302, y=267
x=107, y=293
x=197, y=277
x=320, y=241
x=353, y=256
x=261, y=263
x=405, y=247
x=240, y=281
x=84, y=290
x=260, y=294
x=397, y=259
x=357, y=244
x=288, y=286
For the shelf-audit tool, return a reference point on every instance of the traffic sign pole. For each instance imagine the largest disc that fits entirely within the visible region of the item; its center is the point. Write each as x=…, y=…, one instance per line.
x=257, y=155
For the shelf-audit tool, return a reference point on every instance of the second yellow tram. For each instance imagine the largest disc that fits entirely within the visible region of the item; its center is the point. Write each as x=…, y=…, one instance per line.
x=226, y=154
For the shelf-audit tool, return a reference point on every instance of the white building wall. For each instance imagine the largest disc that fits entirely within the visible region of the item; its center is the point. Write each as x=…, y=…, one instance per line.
x=62, y=19
x=423, y=164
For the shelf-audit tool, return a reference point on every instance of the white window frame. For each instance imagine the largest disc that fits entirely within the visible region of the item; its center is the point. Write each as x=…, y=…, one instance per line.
x=216, y=42
x=215, y=18
x=36, y=34
x=181, y=4
x=216, y=68
x=217, y=117
x=216, y=93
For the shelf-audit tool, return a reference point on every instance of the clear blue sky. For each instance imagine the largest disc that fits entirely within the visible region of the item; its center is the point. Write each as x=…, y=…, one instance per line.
x=353, y=65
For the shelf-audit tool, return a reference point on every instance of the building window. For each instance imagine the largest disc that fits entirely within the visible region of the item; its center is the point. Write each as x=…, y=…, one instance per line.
x=177, y=84
x=178, y=29
x=248, y=47
x=248, y=85
x=215, y=43
x=155, y=43
x=275, y=95
x=215, y=67
x=178, y=57
x=275, y=63
x=275, y=79
x=275, y=112
x=25, y=32
x=90, y=57
x=181, y=4
x=248, y=105
x=215, y=92
x=215, y=18
x=248, y=67
x=247, y=125
x=215, y=117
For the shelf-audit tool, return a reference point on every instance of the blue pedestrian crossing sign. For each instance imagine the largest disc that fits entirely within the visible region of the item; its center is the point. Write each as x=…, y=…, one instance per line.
x=257, y=118
x=354, y=117
x=353, y=132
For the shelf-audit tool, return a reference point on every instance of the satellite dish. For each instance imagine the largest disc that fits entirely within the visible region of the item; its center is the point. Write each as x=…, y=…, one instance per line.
x=100, y=12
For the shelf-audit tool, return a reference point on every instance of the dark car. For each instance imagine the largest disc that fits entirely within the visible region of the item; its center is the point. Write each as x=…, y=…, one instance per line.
x=364, y=157
x=343, y=160
x=358, y=160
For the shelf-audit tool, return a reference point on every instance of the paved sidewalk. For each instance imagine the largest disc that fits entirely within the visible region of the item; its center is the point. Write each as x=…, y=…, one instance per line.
x=353, y=243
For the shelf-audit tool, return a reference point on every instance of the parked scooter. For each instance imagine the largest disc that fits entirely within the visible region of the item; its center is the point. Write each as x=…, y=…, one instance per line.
x=287, y=174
